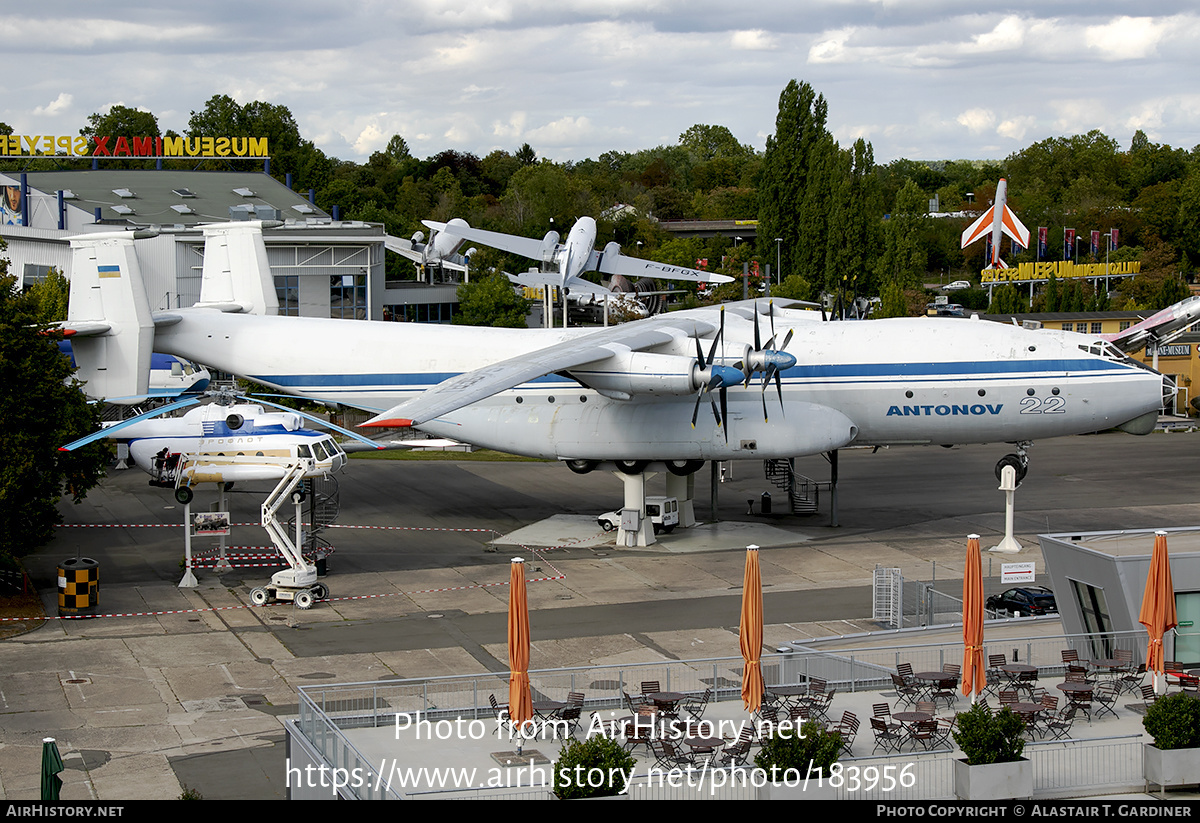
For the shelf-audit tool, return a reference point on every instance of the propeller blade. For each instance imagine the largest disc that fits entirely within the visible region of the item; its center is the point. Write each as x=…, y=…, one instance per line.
x=317, y=420
x=696, y=409
x=108, y=432
x=779, y=390
x=724, y=414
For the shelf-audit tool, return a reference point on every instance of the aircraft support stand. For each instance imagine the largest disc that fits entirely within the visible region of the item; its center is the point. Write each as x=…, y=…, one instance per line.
x=642, y=534
x=223, y=564
x=189, y=580
x=1008, y=485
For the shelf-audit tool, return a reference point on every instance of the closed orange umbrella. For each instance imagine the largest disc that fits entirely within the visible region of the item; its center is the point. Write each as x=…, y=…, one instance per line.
x=750, y=636
x=973, y=675
x=520, y=703
x=1158, y=605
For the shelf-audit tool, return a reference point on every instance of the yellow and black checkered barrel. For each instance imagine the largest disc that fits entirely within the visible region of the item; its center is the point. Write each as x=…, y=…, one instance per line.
x=78, y=586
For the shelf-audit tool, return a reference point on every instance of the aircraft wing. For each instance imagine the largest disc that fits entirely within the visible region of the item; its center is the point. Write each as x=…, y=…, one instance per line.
x=1162, y=326
x=636, y=268
x=542, y=278
x=470, y=387
x=1014, y=228
x=979, y=228
x=524, y=246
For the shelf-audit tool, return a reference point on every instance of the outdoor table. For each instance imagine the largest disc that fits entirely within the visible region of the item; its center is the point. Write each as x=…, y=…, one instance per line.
x=547, y=708
x=703, y=745
x=790, y=695
x=911, y=719
x=1076, y=692
x=665, y=701
x=933, y=679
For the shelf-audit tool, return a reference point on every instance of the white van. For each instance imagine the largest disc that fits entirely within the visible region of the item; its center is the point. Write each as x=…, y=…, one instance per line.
x=662, y=511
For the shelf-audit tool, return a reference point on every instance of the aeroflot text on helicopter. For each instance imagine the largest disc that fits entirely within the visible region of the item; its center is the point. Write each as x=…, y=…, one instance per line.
x=943, y=410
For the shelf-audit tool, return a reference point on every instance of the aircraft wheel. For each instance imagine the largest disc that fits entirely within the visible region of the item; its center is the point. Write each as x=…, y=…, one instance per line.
x=298, y=496
x=259, y=596
x=682, y=468
x=631, y=466
x=1021, y=467
x=304, y=599
x=184, y=495
x=581, y=466
x=320, y=591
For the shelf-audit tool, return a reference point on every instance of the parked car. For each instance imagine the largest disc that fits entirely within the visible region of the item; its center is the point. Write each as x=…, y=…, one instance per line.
x=663, y=513
x=959, y=285
x=1025, y=601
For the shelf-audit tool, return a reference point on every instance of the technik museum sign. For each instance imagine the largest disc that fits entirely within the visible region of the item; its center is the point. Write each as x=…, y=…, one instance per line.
x=26, y=145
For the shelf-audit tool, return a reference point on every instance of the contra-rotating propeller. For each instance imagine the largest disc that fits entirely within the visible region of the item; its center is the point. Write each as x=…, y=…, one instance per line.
x=708, y=377
x=767, y=359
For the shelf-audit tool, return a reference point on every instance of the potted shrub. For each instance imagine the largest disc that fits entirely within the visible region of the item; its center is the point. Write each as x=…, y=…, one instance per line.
x=993, y=768
x=789, y=757
x=596, y=767
x=1174, y=757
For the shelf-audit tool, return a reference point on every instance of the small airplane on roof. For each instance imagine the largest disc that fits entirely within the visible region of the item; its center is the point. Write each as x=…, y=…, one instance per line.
x=570, y=260
x=441, y=250
x=998, y=219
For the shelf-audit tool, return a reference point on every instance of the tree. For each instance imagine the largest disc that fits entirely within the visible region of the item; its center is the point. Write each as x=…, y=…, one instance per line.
x=491, y=301
x=788, y=190
x=122, y=121
x=903, y=260
x=39, y=412
x=397, y=148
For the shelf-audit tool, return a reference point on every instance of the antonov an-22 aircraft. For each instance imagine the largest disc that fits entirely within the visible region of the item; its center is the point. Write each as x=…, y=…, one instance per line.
x=631, y=393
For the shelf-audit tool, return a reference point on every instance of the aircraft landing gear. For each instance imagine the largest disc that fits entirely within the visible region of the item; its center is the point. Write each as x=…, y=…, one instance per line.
x=1019, y=462
x=183, y=494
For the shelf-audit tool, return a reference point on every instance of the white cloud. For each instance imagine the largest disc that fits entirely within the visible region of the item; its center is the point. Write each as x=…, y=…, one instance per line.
x=57, y=106
x=562, y=132
x=1126, y=38
x=757, y=40
x=977, y=121
x=1016, y=127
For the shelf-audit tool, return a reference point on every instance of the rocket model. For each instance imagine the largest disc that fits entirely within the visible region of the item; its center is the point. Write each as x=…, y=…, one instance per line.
x=996, y=220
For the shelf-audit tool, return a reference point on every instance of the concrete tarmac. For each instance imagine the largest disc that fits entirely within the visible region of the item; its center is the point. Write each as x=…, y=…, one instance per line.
x=191, y=690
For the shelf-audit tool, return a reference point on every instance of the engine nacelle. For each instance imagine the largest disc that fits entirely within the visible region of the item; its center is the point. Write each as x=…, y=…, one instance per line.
x=634, y=373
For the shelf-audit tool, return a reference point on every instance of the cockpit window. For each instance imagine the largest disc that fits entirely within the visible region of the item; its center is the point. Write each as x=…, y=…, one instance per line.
x=319, y=450
x=303, y=450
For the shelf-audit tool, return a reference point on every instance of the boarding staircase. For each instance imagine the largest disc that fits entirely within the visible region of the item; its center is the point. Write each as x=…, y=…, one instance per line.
x=324, y=504
x=803, y=492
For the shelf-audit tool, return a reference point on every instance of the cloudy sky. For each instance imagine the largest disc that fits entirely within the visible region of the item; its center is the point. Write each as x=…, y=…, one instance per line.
x=923, y=79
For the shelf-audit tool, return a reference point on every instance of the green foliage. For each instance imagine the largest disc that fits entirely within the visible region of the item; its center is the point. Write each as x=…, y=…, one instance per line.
x=189, y=793
x=1174, y=721
x=813, y=748
x=48, y=298
x=1007, y=299
x=903, y=259
x=491, y=301
x=39, y=413
x=600, y=757
x=122, y=121
x=793, y=287
x=989, y=737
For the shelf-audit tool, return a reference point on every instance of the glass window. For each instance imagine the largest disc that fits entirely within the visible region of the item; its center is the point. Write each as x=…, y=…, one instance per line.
x=287, y=292
x=1068, y=326
x=1096, y=327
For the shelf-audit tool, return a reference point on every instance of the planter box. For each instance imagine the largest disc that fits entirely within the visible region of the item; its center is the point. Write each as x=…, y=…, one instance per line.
x=1171, y=767
x=994, y=781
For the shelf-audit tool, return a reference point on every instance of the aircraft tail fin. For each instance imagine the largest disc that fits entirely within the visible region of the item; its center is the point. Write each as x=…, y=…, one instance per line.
x=108, y=317
x=236, y=274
